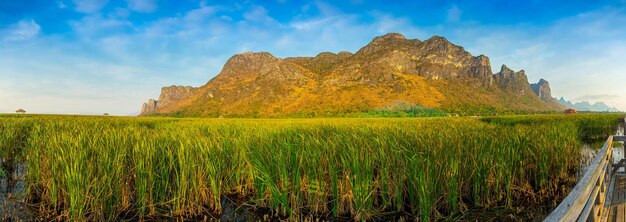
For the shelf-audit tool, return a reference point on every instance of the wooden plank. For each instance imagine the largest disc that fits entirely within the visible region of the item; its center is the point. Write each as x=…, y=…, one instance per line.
x=608, y=204
x=612, y=213
x=572, y=206
x=620, y=212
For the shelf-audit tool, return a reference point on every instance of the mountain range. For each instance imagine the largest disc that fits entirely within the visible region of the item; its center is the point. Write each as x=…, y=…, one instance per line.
x=390, y=71
x=586, y=106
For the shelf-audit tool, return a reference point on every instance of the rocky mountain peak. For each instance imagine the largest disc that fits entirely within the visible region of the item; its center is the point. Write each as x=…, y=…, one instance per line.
x=483, y=60
x=326, y=55
x=543, y=81
x=172, y=94
x=386, y=42
x=169, y=95
x=542, y=89
x=148, y=107
x=251, y=57
x=248, y=63
x=516, y=82
x=506, y=71
x=437, y=40
x=344, y=54
x=389, y=37
x=481, y=68
x=440, y=46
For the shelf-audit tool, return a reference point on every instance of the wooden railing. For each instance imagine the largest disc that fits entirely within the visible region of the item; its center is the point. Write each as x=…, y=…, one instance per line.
x=591, y=197
x=586, y=201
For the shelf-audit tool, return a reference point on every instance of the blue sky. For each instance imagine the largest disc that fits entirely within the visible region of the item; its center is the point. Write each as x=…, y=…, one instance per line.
x=96, y=56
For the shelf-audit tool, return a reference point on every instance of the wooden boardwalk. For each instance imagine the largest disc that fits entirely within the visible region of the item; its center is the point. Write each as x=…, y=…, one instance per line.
x=617, y=209
x=600, y=195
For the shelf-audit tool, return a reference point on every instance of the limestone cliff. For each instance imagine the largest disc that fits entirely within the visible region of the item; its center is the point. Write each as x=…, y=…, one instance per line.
x=543, y=91
x=169, y=95
x=148, y=107
x=390, y=69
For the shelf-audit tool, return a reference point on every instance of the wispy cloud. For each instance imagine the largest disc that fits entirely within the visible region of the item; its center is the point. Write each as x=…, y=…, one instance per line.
x=89, y=6
x=199, y=14
x=94, y=26
x=20, y=31
x=258, y=14
x=596, y=97
x=145, y=6
x=454, y=14
x=61, y=4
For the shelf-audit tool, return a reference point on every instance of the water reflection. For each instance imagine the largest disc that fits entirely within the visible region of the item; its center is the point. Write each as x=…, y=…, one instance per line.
x=12, y=194
x=232, y=212
x=618, y=153
x=589, y=151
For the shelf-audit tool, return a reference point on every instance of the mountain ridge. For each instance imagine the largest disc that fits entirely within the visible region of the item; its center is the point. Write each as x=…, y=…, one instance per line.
x=586, y=106
x=434, y=73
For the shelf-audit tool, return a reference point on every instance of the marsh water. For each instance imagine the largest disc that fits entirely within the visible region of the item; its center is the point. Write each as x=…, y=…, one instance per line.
x=12, y=195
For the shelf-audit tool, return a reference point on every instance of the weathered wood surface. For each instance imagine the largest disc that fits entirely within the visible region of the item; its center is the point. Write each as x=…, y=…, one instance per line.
x=617, y=209
x=617, y=194
x=586, y=201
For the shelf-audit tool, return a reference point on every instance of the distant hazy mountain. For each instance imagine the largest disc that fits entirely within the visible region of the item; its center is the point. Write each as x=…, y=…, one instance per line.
x=586, y=106
x=389, y=70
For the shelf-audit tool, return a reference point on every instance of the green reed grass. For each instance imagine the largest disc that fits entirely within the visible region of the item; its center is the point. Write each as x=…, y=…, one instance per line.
x=95, y=168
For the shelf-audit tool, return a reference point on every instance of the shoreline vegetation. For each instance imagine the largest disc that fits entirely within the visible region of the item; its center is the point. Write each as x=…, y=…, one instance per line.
x=411, y=110
x=106, y=168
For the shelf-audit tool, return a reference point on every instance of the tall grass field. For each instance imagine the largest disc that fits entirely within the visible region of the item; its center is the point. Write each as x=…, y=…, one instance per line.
x=107, y=168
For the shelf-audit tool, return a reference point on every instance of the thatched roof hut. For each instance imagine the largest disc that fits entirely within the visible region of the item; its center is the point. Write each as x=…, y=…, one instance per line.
x=570, y=111
x=105, y=114
x=20, y=111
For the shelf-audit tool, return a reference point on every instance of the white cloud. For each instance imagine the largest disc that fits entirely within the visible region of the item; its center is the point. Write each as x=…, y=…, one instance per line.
x=142, y=5
x=200, y=14
x=312, y=23
x=93, y=26
x=89, y=6
x=61, y=4
x=596, y=97
x=119, y=13
x=326, y=9
x=454, y=14
x=20, y=31
x=258, y=14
